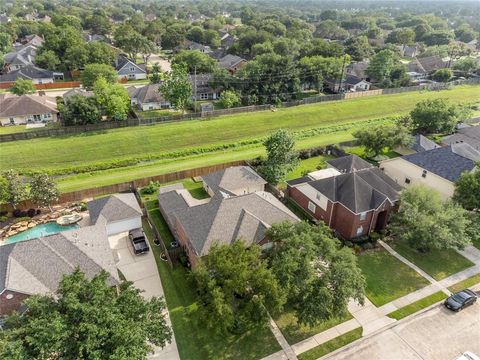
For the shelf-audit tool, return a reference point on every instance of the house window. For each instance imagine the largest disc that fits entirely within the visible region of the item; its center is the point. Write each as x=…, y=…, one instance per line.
x=132, y=69
x=150, y=107
x=363, y=215
x=360, y=231
x=204, y=96
x=424, y=173
x=311, y=207
x=407, y=180
x=12, y=121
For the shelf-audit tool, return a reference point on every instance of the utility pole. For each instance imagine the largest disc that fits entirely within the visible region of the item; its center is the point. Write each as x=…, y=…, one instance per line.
x=341, y=73
x=195, y=88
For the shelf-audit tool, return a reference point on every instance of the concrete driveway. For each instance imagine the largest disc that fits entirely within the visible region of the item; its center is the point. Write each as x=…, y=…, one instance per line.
x=142, y=271
x=436, y=334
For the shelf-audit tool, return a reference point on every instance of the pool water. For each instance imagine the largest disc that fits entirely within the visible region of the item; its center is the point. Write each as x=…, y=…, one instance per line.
x=39, y=231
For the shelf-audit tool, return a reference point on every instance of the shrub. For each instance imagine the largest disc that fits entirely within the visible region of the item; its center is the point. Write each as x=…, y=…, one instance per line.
x=83, y=206
x=31, y=212
x=39, y=211
x=19, y=213
x=348, y=244
x=20, y=219
x=367, y=246
x=151, y=188
x=3, y=213
x=3, y=218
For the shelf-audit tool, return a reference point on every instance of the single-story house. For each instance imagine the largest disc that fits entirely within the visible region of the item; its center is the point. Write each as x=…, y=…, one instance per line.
x=127, y=69
x=352, y=197
x=466, y=134
x=24, y=55
x=31, y=72
x=232, y=63
x=426, y=65
x=120, y=211
x=238, y=208
x=354, y=83
x=420, y=143
x=77, y=91
x=28, y=109
x=438, y=168
x=227, y=40
x=408, y=51
x=148, y=97
x=202, y=89
x=192, y=45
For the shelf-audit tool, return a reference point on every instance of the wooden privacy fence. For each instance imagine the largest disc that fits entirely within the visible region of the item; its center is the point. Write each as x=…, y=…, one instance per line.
x=48, y=86
x=128, y=186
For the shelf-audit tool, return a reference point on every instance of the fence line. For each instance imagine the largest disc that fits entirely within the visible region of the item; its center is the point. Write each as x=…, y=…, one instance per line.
x=49, y=86
x=106, y=125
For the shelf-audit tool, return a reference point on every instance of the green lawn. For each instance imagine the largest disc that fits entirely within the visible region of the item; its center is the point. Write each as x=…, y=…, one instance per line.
x=294, y=332
x=144, y=141
x=309, y=165
x=194, y=340
x=439, y=264
x=471, y=281
x=332, y=345
x=417, y=305
x=23, y=128
x=157, y=113
x=387, y=277
x=162, y=227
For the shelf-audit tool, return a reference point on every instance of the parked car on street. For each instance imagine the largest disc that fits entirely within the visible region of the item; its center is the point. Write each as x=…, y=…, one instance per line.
x=461, y=300
x=139, y=242
x=467, y=355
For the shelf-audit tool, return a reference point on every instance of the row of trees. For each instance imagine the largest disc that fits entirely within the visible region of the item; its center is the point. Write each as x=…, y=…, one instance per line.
x=40, y=189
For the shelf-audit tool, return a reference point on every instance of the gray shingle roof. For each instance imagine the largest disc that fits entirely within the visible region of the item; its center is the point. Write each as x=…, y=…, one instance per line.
x=27, y=72
x=148, y=94
x=114, y=208
x=37, y=265
x=27, y=105
x=229, y=61
x=233, y=178
x=421, y=143
x=469, y=135
x=359, y=191
x=448, y=162
x=349, y=163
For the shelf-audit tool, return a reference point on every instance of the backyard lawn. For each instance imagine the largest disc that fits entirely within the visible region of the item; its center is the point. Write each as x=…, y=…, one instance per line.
x=145, y=141
x=309, y=165
x=294, y=332
x=439, y=264
x=387, y=277
x=194, y=340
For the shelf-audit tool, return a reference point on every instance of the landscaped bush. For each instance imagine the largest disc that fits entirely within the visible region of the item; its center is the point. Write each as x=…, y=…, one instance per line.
x=31, y=212
x=20, y=219
x=19, y=213
x=3, y=218
x=151, y=188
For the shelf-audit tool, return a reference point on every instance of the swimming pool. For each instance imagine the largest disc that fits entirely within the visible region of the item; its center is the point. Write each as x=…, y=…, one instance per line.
x=39, y=231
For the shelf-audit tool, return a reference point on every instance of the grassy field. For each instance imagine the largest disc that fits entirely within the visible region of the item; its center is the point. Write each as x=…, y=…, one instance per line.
x=332, y=345
x=194, y=340
x=127, y=142
x=417, y=305
x=387, y=277
x=439, y=264
x=294, y=332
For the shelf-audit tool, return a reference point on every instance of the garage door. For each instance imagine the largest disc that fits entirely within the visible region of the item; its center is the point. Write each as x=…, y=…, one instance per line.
x=124, y=225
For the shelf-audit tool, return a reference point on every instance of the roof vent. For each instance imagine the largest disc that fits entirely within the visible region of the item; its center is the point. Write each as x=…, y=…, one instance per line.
x=9, y=297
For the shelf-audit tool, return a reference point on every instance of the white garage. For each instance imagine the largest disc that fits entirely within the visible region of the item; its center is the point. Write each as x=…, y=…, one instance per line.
x=120, y=211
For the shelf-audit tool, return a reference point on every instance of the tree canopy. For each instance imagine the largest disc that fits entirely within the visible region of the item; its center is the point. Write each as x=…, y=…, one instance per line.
x=437, y=115
x=94, y=71
x=87, y=319
x=377, y=138
x=467, y=189
x=177, y=87
x=23, y=87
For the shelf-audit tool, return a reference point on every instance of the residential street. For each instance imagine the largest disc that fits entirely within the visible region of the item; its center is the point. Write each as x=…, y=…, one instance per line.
x=437, y=334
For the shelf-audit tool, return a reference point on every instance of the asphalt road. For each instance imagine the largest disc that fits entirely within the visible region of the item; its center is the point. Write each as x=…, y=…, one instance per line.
x=437, y=334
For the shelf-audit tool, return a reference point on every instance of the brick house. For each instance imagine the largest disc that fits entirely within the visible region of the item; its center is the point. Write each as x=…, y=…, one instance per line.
x=351, y=196
x=238, y=208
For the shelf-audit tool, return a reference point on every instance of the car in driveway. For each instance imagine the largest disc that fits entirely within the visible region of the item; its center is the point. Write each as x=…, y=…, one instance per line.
x=461, y=300
x=139, y=241
x=467, y=355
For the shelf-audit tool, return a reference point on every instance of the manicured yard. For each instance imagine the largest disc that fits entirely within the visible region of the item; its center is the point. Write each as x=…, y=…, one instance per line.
x=439, y=264
x=417, y=305
x=471, y=281
x=294, y=332
x=194, y=340
x=162, y=227
x=157, y=113
x=309, y=165
x=387, y=277
x=126, y=143
x=332, y=345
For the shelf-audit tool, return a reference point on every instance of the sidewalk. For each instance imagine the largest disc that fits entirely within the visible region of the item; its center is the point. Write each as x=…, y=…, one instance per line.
x=373, y=319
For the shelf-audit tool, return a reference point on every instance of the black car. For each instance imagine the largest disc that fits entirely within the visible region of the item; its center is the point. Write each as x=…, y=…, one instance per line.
x=460, y=300
x=139, y=242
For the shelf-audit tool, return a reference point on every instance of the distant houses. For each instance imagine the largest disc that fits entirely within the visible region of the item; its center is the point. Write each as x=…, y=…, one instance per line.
x=148, y=97
x=27, y=109
x=127, y=69
x=232, y=63
x=31, y=72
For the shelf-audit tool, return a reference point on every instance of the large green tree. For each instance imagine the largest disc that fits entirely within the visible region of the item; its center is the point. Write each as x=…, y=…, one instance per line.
x=79, y=110
x=15, y=189
x=377, y=138
x=195, y=60
x=437, y=115
x=236, y=288
x=442, y=75
x=466, y=65
x=177, y=87
x=381, y=65
x=317, y=273
x=281, y=156
x=94, y=71
x=86, y=319
x=427, y=222
x=43, y=190
x=467, y=189
x=112, y=99
x=23, y=87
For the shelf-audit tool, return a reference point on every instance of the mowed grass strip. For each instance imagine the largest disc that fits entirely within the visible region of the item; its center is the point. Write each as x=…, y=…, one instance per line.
x=417, y=305
x=465, y=284
x=194, y=340
x=387, y=277
x=439, y=264
x=60, y=152
x=332, y=345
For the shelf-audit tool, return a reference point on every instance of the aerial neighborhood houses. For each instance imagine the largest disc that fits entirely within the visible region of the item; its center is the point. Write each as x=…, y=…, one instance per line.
x=351, y=196
x=421, y=67
x=36, y=266
x=129, y=70
x=27, y=109
x=238, y=207
x=147, y=97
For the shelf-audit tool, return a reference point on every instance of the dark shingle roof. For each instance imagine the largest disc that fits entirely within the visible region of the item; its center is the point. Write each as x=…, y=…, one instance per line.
x=349, y=163
x=421, y=143
x=27, y=72
x=148, y=94
x=229, y=61
x=233, y=178
x=448, y=162
x=469, y=135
